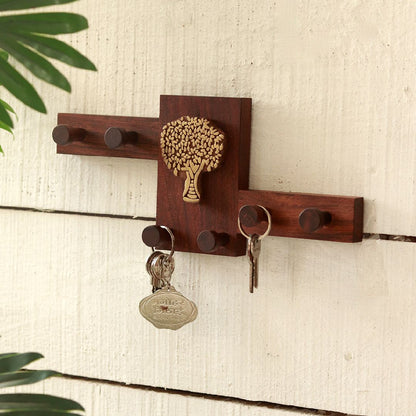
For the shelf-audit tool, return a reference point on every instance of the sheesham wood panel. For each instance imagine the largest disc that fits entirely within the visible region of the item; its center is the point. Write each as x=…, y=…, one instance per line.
x=333, y=100
x=332, y=326
x=107, y=400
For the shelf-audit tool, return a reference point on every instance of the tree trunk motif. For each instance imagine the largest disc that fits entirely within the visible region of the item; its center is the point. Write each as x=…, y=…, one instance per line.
x=191, y=187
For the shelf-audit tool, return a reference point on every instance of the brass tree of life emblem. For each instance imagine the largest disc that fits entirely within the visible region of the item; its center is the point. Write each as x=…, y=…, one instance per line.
x=190, y=146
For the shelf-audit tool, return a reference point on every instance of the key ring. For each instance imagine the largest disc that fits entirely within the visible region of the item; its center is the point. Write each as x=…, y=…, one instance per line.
x=269, y=224
x=172, y=239
x=163, y=259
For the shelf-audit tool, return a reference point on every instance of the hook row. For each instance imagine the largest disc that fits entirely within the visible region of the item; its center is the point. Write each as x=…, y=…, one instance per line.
x=114, y=137
x=310, y=220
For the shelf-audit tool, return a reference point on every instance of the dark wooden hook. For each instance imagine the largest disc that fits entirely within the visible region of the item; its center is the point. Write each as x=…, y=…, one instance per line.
x=210, y=241
x=115, y=137
x=252, y=215
x=64, y=134
x=157, y=237
x=313, y=219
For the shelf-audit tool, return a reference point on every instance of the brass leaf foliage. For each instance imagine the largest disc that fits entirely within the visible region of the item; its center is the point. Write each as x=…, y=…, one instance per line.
x=189, y=142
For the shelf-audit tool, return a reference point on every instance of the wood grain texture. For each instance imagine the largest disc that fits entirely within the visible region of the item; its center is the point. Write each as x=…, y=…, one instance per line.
x=218, y=207
x=333, y=102
x=145, y=129
x=346, y=213
x=331, y=326
x=107, y=400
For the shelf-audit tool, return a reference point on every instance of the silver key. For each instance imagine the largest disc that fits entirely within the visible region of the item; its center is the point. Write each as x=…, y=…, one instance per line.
x=160, y=267
x=153, y=273
x=149, y=262
x=167, y=266
x=253, y=253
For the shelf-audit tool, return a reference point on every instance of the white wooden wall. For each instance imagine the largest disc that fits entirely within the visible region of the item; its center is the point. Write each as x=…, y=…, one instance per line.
x=332, y=326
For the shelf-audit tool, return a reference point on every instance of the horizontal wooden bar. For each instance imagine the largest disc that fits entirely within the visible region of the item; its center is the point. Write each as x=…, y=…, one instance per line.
x=95, y=126
x=285, y=207
x=324, y=217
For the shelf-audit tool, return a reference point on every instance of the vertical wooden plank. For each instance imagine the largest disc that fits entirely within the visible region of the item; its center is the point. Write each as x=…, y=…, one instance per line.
x=219, y=203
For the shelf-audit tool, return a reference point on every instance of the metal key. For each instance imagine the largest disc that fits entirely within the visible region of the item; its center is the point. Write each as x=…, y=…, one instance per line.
x=253, y=253
x=160, y=267
x=167, y=266
x=150, y=268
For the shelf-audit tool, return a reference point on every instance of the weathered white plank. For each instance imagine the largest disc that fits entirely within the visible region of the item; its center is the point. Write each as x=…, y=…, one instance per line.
x=331, y=82
x=332, y=326
x=104, y=399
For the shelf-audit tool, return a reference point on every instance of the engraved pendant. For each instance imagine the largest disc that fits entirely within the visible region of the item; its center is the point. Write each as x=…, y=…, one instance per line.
x=168, y=309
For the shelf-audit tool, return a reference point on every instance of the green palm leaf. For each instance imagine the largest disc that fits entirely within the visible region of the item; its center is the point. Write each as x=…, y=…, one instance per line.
x=35, y=63
x=37, y=413
x=10, y=109
x=5, y=117
x=22, y=404
x=20, y=378
x=22, y=36
x=29, y=4
x=47, y=23
x=8, y=354
x=16, y=361
x=56, y=49
x=36, y=401
x=19, y=87
x=5, y=127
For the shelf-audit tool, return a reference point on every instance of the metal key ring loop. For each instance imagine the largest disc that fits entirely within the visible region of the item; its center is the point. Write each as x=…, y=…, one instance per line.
x=163, y=258
x=269, y=224
x=172, y=239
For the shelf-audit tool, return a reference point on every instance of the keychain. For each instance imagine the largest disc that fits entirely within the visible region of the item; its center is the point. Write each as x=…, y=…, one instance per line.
x=165, y=308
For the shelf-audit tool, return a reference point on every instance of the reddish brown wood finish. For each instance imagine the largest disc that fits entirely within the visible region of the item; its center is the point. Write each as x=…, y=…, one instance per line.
x=157, y=237
x=346, y=214
x=252, y=215
x=147, y=130
x=115, y=137
x=218, y=208
x=63, y=134
x=224, y=191
x=210, y=241
x=312, y=219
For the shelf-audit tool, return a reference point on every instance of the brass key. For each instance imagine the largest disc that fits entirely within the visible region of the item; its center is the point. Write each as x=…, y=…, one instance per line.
x=253, y=253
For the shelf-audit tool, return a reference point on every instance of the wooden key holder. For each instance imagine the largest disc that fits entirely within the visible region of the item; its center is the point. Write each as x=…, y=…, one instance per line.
x=202, y=145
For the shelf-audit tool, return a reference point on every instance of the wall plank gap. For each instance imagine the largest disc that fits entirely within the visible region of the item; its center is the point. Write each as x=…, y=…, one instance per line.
x=86, y=214
x=207, y=396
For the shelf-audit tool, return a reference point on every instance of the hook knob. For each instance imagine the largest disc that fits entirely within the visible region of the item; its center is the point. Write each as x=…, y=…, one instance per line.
x=156, y=236
x=210, y=241
x=312, y=219
x=115, y=137
x=252, y=215
x=64, y=134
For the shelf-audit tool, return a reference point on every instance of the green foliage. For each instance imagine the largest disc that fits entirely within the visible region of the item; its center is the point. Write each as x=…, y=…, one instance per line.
x=29, y=39
x=18, y=404
x=27, y=4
